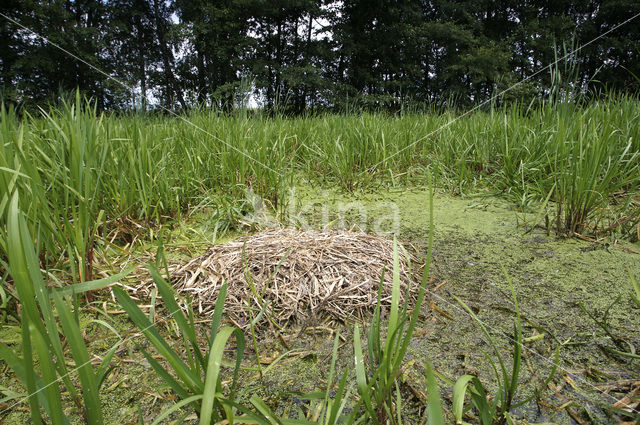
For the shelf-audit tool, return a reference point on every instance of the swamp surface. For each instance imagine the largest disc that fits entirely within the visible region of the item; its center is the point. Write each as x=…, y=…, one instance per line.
x=563, y=287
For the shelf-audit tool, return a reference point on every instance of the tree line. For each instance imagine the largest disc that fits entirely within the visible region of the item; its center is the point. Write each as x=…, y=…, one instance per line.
x=319, y=54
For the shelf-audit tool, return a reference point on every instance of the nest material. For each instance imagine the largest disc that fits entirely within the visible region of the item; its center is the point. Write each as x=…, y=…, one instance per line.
x=300, y=276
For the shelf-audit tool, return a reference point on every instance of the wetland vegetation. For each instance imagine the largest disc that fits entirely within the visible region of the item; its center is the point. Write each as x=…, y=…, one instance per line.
x=535, y=222
x=490, y=150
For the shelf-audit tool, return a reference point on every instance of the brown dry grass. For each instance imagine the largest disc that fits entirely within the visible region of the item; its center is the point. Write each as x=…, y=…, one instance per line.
x=300, y=276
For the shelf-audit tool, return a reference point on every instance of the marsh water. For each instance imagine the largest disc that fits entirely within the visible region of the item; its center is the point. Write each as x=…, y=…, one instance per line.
x=563, y=287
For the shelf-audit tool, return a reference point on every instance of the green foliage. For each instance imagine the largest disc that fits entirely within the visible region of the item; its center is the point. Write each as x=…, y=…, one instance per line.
x=434, y=408
x=495, y=408
x=459, y=393
x=498, y=409
x=325, y=409
x=377, y=379
x=205, y=396
x=624, y=347
x=84, y=178
x=195, y=375
x=310, y=55
x=44, y=361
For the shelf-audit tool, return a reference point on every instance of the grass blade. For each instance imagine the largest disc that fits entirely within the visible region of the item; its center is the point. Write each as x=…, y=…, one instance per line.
x=166, y=376
x=459, y=392
x=18, y=366
x=434, y=407
x=395, y=294
x=148, y=329
x=51, y=388
x=33, y=386
x=104, y=369
x=361, y=377
x=79, y=288
x=265, y=410
x=168, y=298
x=80, y=354
x=212, y=379
x=217, y=312
x=176, y=407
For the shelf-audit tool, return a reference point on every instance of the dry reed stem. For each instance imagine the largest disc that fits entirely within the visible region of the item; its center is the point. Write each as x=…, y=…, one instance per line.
x=301, y=276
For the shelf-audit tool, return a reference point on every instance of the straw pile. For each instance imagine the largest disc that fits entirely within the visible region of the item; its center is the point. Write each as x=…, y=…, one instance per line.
x=300, y=276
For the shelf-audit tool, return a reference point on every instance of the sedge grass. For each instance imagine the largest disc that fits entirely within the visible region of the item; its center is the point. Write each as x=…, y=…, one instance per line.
x=83, y=178
x=44, y=362
x=185, y=377
x=376, y=379
x=325, y=409
x=197, y=381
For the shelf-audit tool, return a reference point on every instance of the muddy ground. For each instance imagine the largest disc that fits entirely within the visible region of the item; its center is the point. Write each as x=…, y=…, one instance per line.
x=477, y=239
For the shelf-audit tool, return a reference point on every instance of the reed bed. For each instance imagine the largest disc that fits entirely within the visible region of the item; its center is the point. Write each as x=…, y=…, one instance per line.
x=84, y=178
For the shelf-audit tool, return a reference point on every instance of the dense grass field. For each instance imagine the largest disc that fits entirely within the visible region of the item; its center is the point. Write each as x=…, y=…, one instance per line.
x=80, y=176
x=75, y=185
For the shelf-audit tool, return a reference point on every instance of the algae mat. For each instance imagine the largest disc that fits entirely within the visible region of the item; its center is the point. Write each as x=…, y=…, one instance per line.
x=475, y=238
x=476, y=241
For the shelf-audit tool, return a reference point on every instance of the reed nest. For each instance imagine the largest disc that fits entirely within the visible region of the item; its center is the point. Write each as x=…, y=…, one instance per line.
x=295, y=276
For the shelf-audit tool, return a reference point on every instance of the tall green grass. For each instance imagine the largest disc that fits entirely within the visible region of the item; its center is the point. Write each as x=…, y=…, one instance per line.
x=42, y=361
x=185, y=378
x=495, y=408
x=194, y=369
x=84, y=177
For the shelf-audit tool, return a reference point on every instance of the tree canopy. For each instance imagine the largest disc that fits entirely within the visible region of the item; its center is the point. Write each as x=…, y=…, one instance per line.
x=301, y=54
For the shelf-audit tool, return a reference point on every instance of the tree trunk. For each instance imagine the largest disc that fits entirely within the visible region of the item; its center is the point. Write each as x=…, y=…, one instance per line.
x=172, y=85
x=141, y=62
x=307, y=60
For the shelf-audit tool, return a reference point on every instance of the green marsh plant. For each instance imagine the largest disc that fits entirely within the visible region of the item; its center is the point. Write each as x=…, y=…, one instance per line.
x=623, y=346
x=377, y=385
x=197, y=380
x=81, y=175
x=377, y=378
x=326, y=408
x=50, y=335
x=495, y=408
